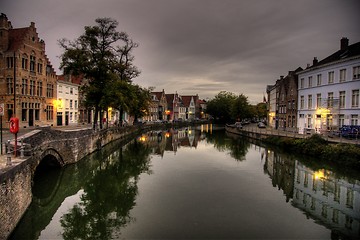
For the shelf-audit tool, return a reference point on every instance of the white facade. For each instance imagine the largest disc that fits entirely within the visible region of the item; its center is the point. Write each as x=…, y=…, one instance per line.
x=67, y=103
x=328, y=96
x=272, y=106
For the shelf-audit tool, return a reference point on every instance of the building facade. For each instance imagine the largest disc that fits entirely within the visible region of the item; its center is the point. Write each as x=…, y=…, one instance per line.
x=67, y=103
x=328, y=91
x=27, y=78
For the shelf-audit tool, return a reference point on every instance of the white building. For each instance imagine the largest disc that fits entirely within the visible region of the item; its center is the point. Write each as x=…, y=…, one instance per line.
x=328, y=91
x=67, y=103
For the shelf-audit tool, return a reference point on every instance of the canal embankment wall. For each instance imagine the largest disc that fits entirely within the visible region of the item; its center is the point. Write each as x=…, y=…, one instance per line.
x=263, y=133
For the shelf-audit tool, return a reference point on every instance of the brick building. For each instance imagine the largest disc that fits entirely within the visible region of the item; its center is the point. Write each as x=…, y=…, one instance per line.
x=27, y=78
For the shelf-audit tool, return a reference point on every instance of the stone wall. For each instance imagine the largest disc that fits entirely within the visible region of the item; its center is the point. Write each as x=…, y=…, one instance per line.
x=15, y=197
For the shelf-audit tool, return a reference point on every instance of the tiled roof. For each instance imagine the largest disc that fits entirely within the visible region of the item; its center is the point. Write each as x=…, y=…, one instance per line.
x=348, y=52
x=186, y=100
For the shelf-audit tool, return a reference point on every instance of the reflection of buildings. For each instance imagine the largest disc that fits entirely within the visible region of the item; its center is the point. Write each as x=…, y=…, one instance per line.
x=281, y=171
x=335, y=202
x=171, y=140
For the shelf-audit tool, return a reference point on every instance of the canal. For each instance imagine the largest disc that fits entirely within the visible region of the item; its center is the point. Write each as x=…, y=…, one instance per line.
x=192, y=183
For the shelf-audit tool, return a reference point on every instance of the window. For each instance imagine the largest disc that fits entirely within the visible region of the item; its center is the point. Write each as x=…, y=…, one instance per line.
x=309, y=101
x=71, y=91
x=24, y=62
x=302, y=102
x=331, y=77
x=39, y=89
x=32, y=88
x=356, y=72
x=32, y=63
x=342, y=99
x=354, y=119
x=24, y=110
x=318, y=100
x=318, y=80
x=310, y=82
x=342, y=75
x=355, y=98
x=40, y=67
x=302, y=83
x=37, y=111
x=49, y=90
x=10, y=85
x=49, y=113
x=71, y=104
x=330, y=99
x=24, y=87
x=76, y=104
x=341, y=120
x=10, y=62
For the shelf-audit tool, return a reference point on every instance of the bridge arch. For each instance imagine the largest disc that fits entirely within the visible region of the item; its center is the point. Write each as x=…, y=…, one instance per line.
x=50, y=164
x=52, y=158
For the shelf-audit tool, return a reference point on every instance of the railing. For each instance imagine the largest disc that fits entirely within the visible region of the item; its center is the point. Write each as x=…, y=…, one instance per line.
x=9, y=151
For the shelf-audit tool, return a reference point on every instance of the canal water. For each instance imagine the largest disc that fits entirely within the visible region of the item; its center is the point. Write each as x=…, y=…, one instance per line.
x=192, y=183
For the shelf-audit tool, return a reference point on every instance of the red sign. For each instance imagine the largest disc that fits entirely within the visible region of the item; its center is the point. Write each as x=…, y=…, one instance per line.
x=14, y=125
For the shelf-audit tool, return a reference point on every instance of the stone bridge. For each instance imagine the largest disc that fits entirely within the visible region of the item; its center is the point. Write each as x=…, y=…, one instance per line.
x=46, y=146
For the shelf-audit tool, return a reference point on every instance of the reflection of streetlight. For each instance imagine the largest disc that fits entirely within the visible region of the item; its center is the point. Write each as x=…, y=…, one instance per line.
x=319, y=174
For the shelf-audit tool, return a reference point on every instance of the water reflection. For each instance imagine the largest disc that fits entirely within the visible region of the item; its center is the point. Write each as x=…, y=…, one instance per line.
x=106, y=186
x=330, y=200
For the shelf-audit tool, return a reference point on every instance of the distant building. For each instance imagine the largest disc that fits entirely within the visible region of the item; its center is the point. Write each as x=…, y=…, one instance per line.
x=67, y=103
x=189, y=104
x=329, y=91
x=24, y=64
x=271, y=105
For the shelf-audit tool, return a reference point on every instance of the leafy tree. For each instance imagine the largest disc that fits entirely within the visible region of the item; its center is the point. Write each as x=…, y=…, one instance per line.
x=241, y=108
x=97, y=55
x=220, y=106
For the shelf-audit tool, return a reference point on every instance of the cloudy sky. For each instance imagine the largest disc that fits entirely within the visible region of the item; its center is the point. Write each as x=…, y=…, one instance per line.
x=203, y=46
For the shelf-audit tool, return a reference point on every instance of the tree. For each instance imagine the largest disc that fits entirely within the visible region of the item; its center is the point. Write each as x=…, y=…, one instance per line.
x=98, y=57
x=241, y=108
x=220, y=106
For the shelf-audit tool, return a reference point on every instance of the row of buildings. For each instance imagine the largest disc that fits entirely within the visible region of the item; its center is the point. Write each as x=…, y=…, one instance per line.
x=31, y=90
x=324, y=96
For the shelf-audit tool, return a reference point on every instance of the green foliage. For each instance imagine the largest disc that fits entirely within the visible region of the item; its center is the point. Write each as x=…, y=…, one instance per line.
x=226, y=107
x=343, y=154
x=103, y=56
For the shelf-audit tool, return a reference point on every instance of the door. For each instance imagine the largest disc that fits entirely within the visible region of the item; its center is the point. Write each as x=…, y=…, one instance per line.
x=31, y=117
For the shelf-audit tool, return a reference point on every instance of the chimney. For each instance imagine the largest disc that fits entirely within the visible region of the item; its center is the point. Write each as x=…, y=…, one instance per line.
x=315, y=61
x=344, y=43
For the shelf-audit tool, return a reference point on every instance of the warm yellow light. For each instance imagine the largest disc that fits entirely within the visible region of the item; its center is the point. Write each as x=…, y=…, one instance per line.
x=57, y=103
x=167, y=134
x=142, y=138
x=319, y=174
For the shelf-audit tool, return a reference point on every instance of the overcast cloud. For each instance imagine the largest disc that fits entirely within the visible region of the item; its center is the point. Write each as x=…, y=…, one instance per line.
x=203, y=46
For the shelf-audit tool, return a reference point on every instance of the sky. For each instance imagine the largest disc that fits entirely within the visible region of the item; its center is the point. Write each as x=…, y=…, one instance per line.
x=203, y=46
